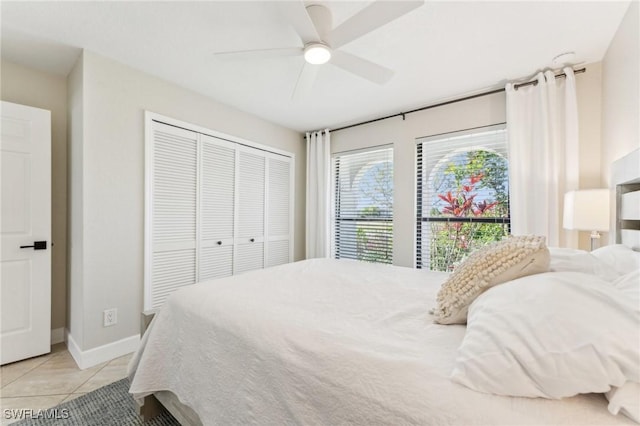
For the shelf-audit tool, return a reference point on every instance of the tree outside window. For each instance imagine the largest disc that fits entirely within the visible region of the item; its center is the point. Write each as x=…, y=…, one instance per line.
x=462, y=194
x=469, y=190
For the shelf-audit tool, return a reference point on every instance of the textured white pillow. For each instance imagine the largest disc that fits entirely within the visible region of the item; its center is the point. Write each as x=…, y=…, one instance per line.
x=622, y=258
x=489, y=266
x=550, y=335
x=572, y=260
x=625, y=400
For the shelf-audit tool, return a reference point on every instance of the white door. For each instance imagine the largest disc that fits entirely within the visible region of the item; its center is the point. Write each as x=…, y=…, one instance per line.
x=25, y=276
x=279, y=247
x=217, y=208
x=250, y=229
x=171, y=212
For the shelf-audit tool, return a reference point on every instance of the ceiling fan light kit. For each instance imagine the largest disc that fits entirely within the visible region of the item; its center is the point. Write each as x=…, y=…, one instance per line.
x=317, y=53
x=322, y=42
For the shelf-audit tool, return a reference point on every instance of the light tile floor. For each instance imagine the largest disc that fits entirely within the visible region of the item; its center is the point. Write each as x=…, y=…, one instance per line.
x=46, y=381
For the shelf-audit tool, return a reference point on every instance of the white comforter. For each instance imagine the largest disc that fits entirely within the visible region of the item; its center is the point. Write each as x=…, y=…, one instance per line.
x=326, y=342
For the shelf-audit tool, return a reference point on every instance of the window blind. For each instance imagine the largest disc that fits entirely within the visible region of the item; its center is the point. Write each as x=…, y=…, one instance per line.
x=462, y=194
x=363, y=205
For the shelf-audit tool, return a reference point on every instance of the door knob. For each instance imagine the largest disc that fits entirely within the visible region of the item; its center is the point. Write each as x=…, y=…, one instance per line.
x=252, y=240
x=37, y=245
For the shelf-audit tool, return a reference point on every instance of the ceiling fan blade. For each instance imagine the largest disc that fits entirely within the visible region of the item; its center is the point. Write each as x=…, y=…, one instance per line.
x=305, y=82
x=361, y=67
x=296, y=13
x=261, y=53
x=370, y=18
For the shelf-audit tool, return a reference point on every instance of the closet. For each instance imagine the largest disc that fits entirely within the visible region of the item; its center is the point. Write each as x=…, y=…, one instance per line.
x=215, y=207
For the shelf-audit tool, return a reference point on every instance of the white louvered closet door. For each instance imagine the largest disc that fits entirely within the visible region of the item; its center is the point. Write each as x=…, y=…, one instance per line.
x=213, y=208
x=173, y=204
x=250, y=223
x=279, y=245
x=217, y=202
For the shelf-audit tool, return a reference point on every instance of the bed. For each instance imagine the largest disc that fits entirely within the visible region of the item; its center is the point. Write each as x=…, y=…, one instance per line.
x=334, y=342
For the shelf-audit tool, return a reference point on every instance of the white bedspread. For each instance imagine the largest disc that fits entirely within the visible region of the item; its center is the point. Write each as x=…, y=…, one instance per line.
x=326, y=342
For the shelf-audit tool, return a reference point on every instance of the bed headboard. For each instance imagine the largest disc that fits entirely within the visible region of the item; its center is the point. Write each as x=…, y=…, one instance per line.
x=626, y=180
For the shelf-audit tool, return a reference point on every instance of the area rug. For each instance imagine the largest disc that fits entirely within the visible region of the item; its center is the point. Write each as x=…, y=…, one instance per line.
x=110, y=405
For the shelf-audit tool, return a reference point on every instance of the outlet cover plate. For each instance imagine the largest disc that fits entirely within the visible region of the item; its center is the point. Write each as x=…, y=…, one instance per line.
x=110, y=317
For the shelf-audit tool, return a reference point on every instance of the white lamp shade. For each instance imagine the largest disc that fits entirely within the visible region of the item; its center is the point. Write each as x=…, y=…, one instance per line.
x=587, y=210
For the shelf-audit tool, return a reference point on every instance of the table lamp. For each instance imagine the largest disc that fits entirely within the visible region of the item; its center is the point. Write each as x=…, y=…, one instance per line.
x=587, y=210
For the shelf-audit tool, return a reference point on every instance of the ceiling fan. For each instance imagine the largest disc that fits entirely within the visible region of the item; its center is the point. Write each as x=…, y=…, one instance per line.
x=313, y=23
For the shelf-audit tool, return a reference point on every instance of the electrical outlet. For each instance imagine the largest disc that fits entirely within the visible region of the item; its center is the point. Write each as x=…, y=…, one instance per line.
x=110, y=317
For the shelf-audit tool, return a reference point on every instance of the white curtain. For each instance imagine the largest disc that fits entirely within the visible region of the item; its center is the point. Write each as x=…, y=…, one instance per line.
x=318, y=195
x=542, y=125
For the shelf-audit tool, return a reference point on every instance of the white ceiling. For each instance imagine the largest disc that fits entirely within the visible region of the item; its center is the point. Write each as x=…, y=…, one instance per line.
x=441, y=50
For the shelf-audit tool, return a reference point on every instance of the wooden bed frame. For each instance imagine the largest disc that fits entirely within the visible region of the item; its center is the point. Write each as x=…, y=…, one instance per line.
x=625, y=182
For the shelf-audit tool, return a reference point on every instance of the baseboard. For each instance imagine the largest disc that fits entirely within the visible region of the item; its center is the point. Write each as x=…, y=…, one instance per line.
x=57, y=335
x=95, y=356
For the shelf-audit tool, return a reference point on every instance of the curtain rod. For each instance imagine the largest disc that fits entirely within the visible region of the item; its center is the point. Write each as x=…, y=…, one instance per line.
x=466, y=98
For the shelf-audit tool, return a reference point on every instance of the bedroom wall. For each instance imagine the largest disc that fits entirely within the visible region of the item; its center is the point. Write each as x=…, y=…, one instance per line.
x=589, y=92
x=115, y=97
x=27, y=86
x=483, y=111
x=75, y=140
x=621, y=93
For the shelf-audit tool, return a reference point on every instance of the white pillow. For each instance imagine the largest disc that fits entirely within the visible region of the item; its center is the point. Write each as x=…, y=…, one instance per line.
x=629, y=285
x=550, y=335
x=488, y=266
x=625, y=400
x=622, y=258
x=572, y=260
x=628, y=282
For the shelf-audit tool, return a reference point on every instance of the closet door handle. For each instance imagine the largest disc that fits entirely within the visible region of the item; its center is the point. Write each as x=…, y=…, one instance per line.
x=253, y=240
x=37, y=245
x=219, y=243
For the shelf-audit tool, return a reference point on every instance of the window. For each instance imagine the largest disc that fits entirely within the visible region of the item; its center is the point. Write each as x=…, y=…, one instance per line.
x=363, y=205
x=462, y=195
